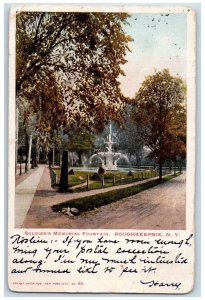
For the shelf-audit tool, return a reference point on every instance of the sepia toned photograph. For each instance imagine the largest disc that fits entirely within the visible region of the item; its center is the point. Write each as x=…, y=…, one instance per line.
x=101, y=119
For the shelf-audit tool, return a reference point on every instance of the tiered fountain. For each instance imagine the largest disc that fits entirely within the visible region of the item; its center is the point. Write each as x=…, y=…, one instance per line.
x=108, y=158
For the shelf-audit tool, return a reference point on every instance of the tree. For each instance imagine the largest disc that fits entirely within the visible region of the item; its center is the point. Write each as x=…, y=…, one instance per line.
x=81, y=142
x=41, y=112
x=129, y=138
x=159, y=109
x=83, y=52
x=26, y=128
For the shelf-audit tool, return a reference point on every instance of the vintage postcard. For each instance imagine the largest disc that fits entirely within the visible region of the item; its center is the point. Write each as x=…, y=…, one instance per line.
x=101, y=149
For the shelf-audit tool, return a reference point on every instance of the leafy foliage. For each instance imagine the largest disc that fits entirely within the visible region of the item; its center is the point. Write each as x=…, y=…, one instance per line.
x=160, y=111
x=81, y=55
x=81, y=142
x=130, y=139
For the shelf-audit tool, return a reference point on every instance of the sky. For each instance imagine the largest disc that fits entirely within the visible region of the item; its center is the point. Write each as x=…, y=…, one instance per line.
x=160, y=42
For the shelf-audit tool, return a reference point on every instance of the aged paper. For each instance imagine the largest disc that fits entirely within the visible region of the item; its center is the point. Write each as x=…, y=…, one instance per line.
x=97, y=201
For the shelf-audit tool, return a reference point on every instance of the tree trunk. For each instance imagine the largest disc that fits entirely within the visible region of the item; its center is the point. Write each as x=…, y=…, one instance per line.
x=20, y=162
x=180, y=167
x=27, y=146
x=174, y=168
x=35, y=160
x=50, y=158
x=60, y=157
x=29, y=151
x=80, y=159
x=63, y=185
x=36, y=154
x=138, y=160
x=160, y=170
x=32, y=162
x=53, y=156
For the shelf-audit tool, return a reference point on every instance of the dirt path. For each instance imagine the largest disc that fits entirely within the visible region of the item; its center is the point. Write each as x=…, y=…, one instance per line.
x=161, y=207
x=20, y=178
x=24, y=194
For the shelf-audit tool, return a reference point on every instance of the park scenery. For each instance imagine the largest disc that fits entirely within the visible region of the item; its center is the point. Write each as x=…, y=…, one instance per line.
x=101, y=120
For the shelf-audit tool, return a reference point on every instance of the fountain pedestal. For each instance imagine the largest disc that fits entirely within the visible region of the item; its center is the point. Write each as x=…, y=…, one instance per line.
x=108, y=157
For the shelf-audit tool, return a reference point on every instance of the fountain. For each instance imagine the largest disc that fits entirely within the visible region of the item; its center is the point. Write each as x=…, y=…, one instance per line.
x=108, y=158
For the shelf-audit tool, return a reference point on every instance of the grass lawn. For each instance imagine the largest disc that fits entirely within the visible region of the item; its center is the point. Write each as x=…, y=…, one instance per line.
x=78, y=178
x=91, y=202
x=120, y=178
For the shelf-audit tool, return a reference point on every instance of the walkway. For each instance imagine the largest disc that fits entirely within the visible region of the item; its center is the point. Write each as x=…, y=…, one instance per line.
x=20, y=178
x=40, y=210
x=24, y=195
x=162, y=207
